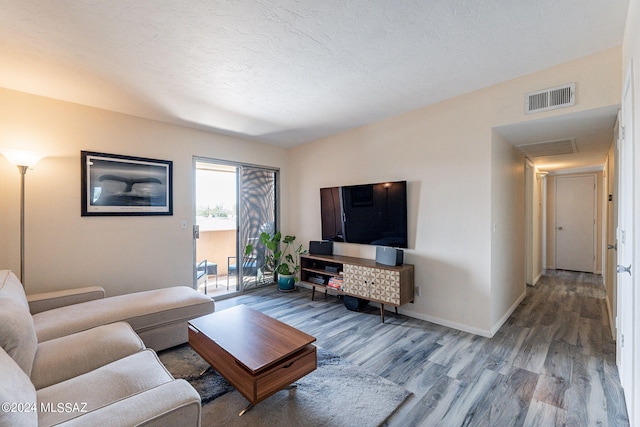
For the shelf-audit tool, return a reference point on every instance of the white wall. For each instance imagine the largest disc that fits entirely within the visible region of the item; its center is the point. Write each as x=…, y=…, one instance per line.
x=507, y=231
x=123, y=254
x=445, y=151
x=450, y=247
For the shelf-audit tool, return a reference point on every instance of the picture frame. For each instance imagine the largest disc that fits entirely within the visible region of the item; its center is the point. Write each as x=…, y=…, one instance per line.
x=118, y=185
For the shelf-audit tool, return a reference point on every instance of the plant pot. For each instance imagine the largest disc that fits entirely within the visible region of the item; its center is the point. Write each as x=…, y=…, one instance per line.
x=286, y=282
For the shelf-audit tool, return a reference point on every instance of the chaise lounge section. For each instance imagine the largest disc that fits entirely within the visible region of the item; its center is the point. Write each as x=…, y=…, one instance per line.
x=159, y=316
x=83, y=364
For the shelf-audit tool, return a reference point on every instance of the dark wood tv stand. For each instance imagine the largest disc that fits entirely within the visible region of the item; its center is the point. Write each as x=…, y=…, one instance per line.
x=363, y=278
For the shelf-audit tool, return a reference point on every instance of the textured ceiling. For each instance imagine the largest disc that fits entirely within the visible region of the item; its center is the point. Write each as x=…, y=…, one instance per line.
x=288, y=71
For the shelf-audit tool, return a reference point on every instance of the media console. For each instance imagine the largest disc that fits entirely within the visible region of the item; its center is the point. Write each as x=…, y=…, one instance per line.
x=361, y=278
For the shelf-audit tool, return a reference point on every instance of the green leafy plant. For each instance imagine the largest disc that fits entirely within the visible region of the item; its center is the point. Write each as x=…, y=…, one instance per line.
x=283, y=261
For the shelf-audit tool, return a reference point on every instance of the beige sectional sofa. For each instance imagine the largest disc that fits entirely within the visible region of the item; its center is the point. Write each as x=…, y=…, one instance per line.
x=84, y=363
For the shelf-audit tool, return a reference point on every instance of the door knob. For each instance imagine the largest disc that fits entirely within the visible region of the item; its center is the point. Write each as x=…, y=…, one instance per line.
x=560, y=228
x=623, y=269
x=614, y=247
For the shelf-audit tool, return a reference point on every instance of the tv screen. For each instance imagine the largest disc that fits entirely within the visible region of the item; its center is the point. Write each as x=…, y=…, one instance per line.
x=372, y=214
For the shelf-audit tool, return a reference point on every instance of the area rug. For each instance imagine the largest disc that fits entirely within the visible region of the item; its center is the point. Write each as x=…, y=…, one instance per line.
x=338, y=393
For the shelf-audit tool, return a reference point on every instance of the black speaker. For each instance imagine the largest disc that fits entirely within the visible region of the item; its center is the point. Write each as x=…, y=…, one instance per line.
x=389, y=256
x=354, y=303
x=324, y=247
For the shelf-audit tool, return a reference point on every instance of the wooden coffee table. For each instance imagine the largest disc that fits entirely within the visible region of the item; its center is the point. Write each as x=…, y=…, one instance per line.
x=257, y=354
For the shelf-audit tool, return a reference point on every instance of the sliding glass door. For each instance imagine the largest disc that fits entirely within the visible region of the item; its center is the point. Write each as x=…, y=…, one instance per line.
x=257, y=214
x=234, y=203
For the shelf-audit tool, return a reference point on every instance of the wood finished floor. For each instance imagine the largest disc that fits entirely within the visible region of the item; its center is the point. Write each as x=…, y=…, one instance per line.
x=551, y=364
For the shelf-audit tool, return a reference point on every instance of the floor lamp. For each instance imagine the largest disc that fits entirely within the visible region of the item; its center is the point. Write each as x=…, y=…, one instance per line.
x=23, y=160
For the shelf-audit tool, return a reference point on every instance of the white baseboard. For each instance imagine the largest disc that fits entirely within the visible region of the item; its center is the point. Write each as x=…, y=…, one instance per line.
x=449, y=324
x=537, y=279
x=504, y=318
x=466, y=328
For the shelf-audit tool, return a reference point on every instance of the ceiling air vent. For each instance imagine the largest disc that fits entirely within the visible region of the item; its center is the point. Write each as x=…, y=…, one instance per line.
x=550, y=148
x=550, y=99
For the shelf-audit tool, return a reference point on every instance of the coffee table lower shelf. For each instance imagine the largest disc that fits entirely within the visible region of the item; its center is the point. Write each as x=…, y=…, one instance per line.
x=257, y=386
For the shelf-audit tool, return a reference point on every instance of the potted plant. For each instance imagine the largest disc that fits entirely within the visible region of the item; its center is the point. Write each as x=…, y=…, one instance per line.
x=284, y=262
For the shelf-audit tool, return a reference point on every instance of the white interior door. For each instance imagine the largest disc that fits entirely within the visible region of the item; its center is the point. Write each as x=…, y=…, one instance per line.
x=575, y=223
x=625, y=297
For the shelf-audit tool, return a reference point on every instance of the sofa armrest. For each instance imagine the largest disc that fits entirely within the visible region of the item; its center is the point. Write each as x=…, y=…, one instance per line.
x=66, y=357
x=170, y=404
x=50, y=300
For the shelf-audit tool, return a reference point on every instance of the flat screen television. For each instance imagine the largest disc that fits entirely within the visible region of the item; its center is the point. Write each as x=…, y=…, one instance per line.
x=371, y=214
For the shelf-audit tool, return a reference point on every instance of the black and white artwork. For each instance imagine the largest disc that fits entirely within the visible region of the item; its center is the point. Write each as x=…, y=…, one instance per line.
x=123, y=185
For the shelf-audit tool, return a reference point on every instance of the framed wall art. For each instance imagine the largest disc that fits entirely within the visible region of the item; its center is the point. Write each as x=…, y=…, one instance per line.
x=122, y=185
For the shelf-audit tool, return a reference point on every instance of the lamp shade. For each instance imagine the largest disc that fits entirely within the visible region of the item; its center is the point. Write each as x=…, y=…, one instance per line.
x=22, y=157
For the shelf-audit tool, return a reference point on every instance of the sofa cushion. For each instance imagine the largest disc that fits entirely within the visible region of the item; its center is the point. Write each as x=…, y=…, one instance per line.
x=101, y=387
x=17, y=391
x=170, y=404
x=17, y=333
x=10, y=287
x=66, y=357
x=142, y=310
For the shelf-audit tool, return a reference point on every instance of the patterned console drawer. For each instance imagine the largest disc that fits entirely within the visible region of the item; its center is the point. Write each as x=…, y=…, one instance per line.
x=372, y=283
x=386, y=286
x=357, y=280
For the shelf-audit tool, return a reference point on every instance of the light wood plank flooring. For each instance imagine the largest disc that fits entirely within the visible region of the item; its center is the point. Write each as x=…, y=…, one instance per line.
x=552, y=362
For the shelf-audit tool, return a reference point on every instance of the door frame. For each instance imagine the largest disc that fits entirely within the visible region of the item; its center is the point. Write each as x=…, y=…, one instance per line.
x=195, y=161
x=594, y=176
x=633, y=401
x=240, y=237
x=239, y=250
x=635, y=191
x=529, y=184
x=628, y=207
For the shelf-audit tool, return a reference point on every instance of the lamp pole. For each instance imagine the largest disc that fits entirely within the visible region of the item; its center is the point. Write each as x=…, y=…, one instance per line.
x=23, y=172
x=24, y=160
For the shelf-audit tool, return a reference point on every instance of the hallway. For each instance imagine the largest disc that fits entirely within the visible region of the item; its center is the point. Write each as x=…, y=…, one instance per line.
x=570, y=346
